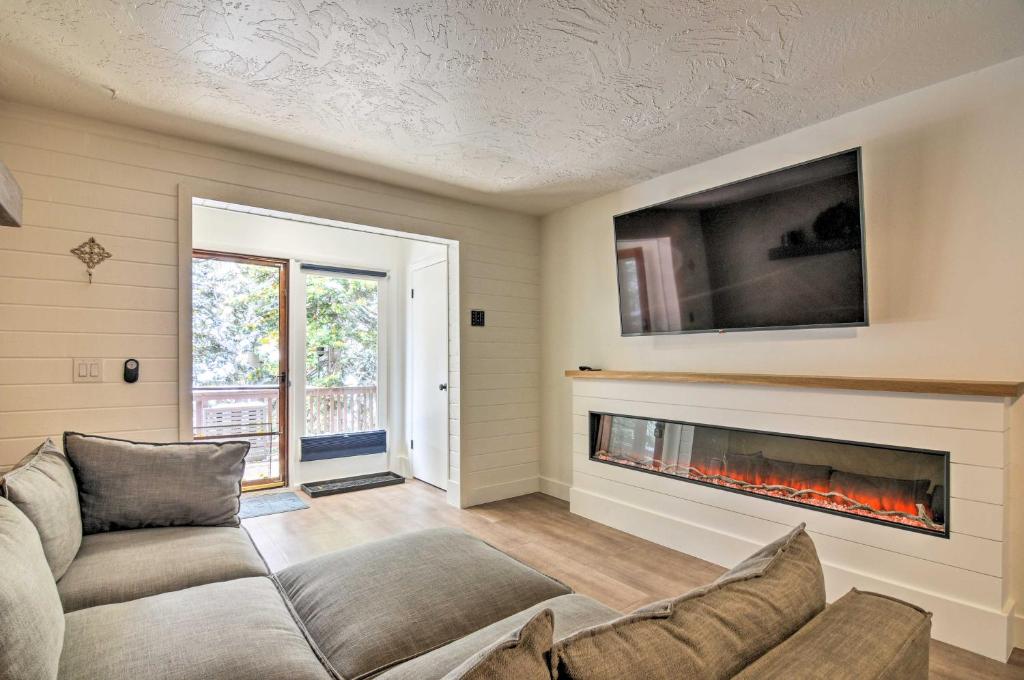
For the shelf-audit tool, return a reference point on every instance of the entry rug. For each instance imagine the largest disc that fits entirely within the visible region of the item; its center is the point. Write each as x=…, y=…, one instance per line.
x=270, y=504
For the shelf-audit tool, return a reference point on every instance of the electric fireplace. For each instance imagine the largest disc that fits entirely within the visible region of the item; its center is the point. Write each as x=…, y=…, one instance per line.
x=899, y=487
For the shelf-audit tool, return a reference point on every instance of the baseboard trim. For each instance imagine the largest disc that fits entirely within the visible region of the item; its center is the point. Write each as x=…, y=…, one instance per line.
x=979, y=629
x=553, y=487
x=498, y=492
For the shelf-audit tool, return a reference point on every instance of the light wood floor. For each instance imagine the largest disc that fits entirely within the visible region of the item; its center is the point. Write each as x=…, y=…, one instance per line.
x=616, y=568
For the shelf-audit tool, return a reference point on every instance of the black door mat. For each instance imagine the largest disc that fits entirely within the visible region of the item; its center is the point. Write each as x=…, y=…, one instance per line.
x=346, y=484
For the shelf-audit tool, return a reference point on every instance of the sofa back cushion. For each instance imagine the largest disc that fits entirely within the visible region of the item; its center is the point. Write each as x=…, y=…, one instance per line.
x=521, y=655
x=134, y=485
x=712, y=632
x=31, y=618
x=43, y=487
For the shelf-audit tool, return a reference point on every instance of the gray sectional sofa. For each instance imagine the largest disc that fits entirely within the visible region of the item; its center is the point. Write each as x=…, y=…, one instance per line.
x=127, y=560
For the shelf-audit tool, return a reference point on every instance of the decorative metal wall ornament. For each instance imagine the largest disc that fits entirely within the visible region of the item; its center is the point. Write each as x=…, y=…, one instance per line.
x=91, y=254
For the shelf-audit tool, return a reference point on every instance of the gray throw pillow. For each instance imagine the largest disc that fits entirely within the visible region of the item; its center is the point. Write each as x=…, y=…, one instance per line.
x=523, y=655
x=31, y=618
x=134, y=485
x=712, y=632
x=43, y=487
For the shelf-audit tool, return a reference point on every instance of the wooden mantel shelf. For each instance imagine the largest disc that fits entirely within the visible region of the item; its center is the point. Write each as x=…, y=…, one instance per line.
x=972, y=388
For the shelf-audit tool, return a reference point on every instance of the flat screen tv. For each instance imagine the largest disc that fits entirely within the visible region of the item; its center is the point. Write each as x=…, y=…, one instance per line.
x=780, y=250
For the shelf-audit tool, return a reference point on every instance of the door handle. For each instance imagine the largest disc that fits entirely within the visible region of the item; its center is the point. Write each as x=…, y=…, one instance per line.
x=443, y=386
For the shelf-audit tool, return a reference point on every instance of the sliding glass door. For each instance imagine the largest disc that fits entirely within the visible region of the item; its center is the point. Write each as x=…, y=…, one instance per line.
x=240, y=359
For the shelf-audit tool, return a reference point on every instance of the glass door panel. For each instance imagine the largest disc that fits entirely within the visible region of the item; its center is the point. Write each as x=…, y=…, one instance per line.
x=239, y=359
x=342, y=362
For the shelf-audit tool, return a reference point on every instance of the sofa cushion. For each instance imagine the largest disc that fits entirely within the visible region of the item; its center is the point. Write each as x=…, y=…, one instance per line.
x=125, y=565
x=31, y=620
x=571, y=613
x=862, y=636
x=132, y=485
x=220, y=631
x=712, y=632
x=520, y=655
x=380, y=603
x=43, y=487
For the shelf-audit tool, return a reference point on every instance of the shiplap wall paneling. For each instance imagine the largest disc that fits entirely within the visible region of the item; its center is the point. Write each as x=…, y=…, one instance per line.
x=964, y=579
x=973, y=483
x=84, y=178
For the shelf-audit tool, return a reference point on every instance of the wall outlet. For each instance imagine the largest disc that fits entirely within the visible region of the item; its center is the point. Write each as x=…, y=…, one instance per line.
x=87, y=370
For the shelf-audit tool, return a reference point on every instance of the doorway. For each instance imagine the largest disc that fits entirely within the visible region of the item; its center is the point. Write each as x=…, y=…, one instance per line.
x=428, y=401
x=240, y=359
x=345, y=408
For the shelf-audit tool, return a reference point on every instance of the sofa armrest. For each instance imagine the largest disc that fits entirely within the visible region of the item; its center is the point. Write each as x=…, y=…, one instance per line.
x=862, y=636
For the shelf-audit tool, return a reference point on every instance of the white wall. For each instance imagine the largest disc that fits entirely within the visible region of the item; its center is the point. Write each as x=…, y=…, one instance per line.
x=86, y=178
x=239, y=232
x=943, y=173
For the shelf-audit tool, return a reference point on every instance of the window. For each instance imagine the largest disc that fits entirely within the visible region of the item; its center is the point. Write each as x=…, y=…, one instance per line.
x=342, y=365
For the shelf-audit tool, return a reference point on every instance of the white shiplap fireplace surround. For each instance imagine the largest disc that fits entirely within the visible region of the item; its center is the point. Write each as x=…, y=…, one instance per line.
x=965, y=580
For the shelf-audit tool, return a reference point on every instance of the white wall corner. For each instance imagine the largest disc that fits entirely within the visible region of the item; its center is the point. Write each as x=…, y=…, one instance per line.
x=1018, y=628
x=554, y=487
x=400, y=465
x=499, y=492
x=454, y=494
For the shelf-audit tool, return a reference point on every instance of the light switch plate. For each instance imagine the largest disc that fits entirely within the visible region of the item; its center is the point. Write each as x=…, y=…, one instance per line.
x=87, y=370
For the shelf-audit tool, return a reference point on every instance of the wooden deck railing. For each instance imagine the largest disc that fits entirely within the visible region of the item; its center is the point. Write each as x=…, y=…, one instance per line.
x=218, y=411
x=330, y=410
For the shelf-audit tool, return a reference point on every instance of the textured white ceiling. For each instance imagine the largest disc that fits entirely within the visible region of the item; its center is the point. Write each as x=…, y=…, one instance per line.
x=534, y=104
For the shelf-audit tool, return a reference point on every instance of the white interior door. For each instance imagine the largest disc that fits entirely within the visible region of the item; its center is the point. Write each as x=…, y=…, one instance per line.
x=428, y=340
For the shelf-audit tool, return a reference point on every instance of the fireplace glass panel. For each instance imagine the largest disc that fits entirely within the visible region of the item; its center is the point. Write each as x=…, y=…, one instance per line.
x=901, y=487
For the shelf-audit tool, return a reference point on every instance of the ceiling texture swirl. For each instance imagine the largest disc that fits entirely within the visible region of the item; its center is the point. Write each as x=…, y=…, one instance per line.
x=525, y=104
